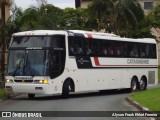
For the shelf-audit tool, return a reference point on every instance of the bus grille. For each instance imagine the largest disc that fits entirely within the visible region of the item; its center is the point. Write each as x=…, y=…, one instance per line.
x=151, y=77
x=23, y=81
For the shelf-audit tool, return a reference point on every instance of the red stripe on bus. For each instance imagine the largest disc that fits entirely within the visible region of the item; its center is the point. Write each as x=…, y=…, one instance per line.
x=89, y=35
x=96, y=60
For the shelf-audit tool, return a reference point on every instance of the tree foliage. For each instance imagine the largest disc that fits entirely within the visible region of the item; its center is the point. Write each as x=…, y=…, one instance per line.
x=154, y=16
x=122, y=17
x=117, y=15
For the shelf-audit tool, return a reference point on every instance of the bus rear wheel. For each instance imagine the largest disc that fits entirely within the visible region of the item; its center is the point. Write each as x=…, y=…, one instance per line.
x=134, y=84
x=142, y=84
x=31, y=96
x=66, y=89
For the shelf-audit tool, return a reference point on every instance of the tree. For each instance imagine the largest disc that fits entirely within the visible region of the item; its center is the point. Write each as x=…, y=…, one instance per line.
x=2, y=30
x=98, y=12
x=153, y=17
x=74, y=19
x=15, y=22
x=115, y=14
x=43, y=17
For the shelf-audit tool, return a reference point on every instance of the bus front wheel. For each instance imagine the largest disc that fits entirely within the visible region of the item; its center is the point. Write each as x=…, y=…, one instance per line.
x=134, y=84
x=31, y=96
x=66, y=89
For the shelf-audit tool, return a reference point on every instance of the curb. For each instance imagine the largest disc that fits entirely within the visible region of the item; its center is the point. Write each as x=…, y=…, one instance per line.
x=140, y=107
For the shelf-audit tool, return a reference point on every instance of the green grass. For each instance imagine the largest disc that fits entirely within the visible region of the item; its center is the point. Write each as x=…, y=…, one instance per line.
x=3, y=94
x=149, y=98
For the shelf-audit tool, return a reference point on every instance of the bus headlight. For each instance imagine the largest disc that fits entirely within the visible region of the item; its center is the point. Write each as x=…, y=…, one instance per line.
x=9, y=81
x=41, y=81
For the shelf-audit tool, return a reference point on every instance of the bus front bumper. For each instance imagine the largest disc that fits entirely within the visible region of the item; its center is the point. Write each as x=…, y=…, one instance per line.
x=30, y=88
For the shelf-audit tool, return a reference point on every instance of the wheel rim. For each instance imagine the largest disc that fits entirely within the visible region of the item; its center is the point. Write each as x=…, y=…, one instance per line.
x=142, y=85
x=69, y=87
x=134, y=85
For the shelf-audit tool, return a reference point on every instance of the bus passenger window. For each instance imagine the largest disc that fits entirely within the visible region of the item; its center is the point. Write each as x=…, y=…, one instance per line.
x=153, y=51
x=134, y=51
x=103, y=48
x=118, y=52
x=75, y=45
x=79, y=50
x=142, y=50
x=111, y=52
x=105, y=52
x=91, y=47
x=88, y=50
x=147, y=50
x=71, y=48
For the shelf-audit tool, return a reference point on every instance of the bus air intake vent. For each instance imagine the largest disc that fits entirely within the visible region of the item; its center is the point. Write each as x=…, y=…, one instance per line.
x=23, y=81
x=151, y=77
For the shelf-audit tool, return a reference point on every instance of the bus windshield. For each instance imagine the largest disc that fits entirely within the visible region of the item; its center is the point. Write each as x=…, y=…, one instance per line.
x=31, y=41
x=28, y=63
x=32, y=56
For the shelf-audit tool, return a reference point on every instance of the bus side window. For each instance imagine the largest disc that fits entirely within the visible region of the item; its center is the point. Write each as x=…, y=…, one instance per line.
x=123, y=50
x=142, y=50
x=71, y=47
x=75, y=45
x=91, y=47
x=58, y=41
x=153, y=51
x=111, y=49
x=103, y=48
x=134, y=50
x=147, y=50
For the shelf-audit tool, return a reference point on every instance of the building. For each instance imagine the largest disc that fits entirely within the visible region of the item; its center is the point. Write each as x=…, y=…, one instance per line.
x=82, y=3
x=147, y=5
x=7, y=4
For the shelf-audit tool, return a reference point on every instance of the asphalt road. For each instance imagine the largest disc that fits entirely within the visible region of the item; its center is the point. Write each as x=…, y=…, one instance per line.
x=94, y=101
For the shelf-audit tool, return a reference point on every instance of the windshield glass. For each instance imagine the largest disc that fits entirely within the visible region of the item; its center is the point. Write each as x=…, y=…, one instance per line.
x=28, y=63
x=31, y=41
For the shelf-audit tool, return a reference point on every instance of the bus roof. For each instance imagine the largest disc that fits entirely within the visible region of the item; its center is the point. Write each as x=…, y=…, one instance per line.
x=39, y=32
x=97, y=35
x=110, y=36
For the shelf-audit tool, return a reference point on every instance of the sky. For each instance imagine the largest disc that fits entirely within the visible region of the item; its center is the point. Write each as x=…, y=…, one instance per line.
x=58, y=3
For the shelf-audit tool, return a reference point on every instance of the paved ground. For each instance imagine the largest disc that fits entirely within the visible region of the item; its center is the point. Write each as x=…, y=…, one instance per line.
x=95, y=101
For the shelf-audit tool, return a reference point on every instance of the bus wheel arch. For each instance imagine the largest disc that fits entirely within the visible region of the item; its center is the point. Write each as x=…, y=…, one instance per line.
x=134, y=84
x=31, y=96
x=143, y=83
x=68, y=86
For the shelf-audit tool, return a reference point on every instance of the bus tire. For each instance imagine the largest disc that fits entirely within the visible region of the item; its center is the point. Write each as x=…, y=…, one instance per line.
x=143, y=84
x=31, y=96
x=66, y=89
x=134, y=84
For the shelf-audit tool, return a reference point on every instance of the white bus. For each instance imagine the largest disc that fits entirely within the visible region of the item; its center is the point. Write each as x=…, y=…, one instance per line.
x=60, y=62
